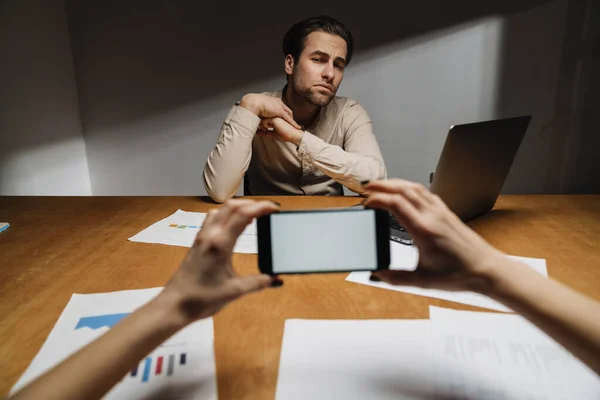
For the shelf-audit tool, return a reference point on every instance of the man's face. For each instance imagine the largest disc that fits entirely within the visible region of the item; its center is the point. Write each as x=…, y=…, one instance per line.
x=318, y=72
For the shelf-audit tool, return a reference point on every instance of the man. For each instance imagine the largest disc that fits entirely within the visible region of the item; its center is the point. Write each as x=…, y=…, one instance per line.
x=303, y=139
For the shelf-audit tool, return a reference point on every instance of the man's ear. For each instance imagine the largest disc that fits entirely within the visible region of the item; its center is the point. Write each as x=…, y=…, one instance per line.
x=289, y=64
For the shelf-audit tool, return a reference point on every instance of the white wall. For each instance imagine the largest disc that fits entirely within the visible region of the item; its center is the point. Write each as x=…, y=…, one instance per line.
x=416, y=89
x=157, y=80
x=481, y=70
x=42, y=151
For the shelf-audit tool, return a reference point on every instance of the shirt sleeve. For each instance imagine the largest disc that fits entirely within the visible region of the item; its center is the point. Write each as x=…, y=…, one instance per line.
x=359, y=160
x=229, y=160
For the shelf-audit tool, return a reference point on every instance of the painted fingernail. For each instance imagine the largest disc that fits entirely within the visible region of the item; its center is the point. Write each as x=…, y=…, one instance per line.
x=374, y=278
x=276, y=283
x=365, y=182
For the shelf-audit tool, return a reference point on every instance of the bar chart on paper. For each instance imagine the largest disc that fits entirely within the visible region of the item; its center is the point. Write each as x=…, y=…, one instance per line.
x=181, y=228
x=186, y=360
x=164, y=365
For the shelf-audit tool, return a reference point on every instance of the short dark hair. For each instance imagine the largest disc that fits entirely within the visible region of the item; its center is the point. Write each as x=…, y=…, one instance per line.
x=293, y=41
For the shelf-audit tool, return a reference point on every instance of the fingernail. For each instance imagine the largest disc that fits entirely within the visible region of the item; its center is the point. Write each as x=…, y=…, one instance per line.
x=276, y=203
x=365, y=182
x=374, y=278
x=276, y=283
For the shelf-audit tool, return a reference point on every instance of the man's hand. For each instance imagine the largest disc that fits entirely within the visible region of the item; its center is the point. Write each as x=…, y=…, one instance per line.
x=206, y=281
x=265, y=106
x=451, y=255
x=279, y=129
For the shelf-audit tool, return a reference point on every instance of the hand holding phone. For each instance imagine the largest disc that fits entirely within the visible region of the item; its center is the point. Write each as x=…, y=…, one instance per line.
x=330, y=240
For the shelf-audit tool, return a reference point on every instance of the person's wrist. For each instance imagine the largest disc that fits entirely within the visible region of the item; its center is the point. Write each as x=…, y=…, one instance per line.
x=169, y=305
x=248, y=102
x=499, y=273
x=297, y=137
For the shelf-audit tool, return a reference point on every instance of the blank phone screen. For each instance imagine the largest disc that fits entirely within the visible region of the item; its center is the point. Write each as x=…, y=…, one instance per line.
x=323, y=241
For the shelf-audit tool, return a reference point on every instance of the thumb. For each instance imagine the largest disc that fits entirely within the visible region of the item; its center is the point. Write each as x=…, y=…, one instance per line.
x=243, y=285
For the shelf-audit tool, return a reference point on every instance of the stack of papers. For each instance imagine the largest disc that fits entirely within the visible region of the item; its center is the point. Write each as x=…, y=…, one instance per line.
x=181, y=228
x=455, y=354
x=183, y=367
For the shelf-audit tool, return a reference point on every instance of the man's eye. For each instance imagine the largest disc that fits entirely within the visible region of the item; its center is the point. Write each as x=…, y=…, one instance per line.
x=340, y=67
x=318, y=59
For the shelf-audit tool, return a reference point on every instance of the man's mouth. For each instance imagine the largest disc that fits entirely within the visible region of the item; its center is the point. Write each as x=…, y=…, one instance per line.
x=325, y=86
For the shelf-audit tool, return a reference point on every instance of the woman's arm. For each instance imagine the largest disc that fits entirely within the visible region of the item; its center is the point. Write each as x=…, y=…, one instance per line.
x=204, y=283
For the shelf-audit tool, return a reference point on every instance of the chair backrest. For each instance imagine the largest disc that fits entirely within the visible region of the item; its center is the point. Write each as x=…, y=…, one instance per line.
x=246, y=186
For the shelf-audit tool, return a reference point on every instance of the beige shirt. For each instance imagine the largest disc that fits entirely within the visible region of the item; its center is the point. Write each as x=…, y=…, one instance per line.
x=338, y=149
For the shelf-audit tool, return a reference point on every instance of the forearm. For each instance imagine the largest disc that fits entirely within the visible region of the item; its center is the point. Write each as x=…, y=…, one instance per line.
x=94, y=370
x=565, y=315
x=346, y=167
x=229, y=160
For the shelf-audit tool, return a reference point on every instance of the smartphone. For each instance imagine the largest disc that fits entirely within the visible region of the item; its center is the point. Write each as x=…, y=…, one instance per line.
x=329, y=240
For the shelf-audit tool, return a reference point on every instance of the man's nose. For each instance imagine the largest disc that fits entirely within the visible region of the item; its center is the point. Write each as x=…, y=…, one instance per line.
x=328, y=71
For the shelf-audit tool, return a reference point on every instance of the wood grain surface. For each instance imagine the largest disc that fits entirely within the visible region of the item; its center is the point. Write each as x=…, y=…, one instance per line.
x=57, y=246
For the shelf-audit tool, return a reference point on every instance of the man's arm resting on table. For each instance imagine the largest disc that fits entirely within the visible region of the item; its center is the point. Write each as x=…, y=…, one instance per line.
x=229, y=160
x=345, y=166
x=360, y=160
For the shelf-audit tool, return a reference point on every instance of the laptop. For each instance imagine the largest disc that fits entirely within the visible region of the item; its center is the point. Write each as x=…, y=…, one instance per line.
x=473, y=167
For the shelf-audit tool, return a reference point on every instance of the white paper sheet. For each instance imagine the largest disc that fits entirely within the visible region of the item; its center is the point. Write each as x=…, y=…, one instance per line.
x=500, y=356
x=348, y=359
x=188, y=364
x=180, y=229
x=406, y=258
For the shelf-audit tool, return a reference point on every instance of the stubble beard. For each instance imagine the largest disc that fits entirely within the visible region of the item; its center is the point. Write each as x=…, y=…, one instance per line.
x=309, y=95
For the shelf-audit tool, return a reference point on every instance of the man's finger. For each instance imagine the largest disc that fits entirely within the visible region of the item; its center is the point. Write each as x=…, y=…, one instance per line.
x=290, y=120
x=288, y=110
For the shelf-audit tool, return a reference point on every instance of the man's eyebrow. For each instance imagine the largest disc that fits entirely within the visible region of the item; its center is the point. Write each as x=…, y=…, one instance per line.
x=323, y=54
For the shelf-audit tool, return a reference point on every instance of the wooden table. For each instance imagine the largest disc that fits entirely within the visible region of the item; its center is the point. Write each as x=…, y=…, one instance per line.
x=57, y=246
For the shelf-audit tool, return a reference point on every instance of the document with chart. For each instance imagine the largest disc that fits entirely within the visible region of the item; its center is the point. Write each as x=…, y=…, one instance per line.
x=182, y=367
x=181, y=228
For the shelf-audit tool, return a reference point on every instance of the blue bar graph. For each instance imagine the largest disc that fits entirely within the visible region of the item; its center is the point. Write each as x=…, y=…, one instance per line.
x=146, y=371
x=98, y=321
x=147, y=366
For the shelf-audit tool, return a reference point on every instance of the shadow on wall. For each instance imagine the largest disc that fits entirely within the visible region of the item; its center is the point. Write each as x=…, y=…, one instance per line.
x=530, y=81
x=156, y=80
x=187, y=51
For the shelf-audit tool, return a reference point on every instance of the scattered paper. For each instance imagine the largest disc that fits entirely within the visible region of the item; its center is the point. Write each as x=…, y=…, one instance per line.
x=454, y=355
x=180, y=229
x=406, y=258
x=347, y=359
x=187, y=364
x=502, y=356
